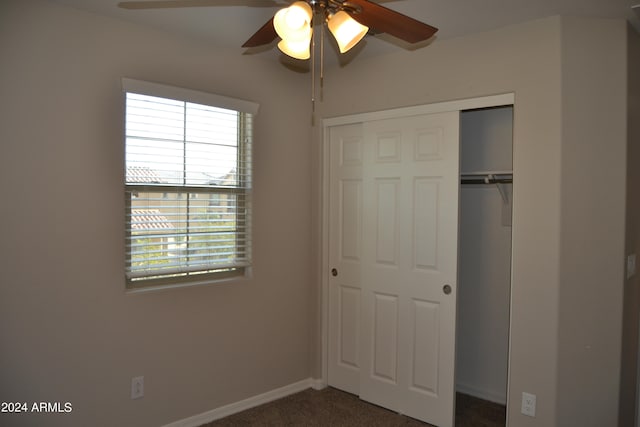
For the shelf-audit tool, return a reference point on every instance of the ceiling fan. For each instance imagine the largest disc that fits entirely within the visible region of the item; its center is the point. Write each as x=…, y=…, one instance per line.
x=348, y=20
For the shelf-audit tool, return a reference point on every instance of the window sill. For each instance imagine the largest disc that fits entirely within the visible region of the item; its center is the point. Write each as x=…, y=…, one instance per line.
x=159, y=288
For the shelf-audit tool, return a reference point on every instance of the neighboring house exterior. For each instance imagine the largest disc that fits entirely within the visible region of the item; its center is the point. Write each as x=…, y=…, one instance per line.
x=160, y=220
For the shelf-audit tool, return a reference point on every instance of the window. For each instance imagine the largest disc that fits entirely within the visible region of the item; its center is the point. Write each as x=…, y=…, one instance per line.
x=187, y=185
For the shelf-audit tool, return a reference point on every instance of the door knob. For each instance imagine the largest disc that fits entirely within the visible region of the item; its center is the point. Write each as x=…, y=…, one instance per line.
x=334, y=272
x=446, y=289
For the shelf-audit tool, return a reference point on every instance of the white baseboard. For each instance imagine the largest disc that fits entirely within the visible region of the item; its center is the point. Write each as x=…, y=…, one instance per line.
x=482, y=393
x=318, y=384
x=233, y=408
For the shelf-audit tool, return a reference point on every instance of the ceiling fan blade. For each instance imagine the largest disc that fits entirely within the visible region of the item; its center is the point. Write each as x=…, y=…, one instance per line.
x=389, y=21
x=264, y=35
x=169, y=4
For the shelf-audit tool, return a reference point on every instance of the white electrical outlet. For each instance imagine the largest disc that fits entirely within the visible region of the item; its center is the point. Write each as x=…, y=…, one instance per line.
x=529, y=404
x=631, y=266
x=137, y=387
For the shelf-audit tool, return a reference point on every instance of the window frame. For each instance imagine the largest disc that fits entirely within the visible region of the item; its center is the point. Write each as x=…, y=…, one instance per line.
x=242, y=190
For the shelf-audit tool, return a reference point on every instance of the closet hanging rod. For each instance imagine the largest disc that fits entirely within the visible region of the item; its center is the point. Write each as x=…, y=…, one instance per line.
x=488, y=177
x=486, y=180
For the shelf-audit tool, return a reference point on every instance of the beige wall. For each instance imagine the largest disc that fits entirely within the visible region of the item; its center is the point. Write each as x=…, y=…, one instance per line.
x=523, y=59
x=593, y=191
x=629, y=374
x=559, y=267
x=70, y=333
x=68, y=330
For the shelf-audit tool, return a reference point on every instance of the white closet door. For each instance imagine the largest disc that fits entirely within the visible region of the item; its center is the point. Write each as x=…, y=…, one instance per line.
x=409, y=265
x=345, y=255
x=393, y=241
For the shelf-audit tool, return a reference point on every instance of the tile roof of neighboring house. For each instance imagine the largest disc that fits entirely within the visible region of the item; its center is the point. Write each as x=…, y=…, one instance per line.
x=148, y=175
x=143, y=174
x=228, y=178
x=149, y=219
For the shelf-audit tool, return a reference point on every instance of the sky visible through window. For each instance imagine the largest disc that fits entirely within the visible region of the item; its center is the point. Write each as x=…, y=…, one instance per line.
x=182, y=143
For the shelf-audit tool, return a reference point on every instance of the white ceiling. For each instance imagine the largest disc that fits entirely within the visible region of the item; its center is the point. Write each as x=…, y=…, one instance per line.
x=230, y=26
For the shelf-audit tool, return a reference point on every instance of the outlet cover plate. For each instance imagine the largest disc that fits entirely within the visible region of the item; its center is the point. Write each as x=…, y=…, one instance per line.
x=529, y=404
x=137, y=387
x=631, y=266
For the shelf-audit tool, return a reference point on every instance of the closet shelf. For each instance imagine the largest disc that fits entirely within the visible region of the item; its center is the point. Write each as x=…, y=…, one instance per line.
x=488, y=172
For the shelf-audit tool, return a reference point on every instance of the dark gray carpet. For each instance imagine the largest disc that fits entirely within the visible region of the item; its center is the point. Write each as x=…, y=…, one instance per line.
x=332, y=407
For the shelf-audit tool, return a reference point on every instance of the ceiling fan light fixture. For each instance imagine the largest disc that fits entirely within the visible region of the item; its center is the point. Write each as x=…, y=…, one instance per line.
x=298, y=49
x=347, y=31
x=293, y=23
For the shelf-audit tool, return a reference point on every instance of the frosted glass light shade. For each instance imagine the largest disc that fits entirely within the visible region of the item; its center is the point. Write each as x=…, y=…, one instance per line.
x=299, y=49
x=294, y=22
x=346, y=30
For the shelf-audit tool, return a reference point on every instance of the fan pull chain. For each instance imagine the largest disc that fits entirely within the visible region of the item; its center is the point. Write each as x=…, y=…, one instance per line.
x=322, y=63
x=313, y=78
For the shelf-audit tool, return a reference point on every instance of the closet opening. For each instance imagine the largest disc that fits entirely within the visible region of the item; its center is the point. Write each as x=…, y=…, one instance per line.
x=484, y=264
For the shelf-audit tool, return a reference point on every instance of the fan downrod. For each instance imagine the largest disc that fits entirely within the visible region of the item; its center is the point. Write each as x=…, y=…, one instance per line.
x=333, y=6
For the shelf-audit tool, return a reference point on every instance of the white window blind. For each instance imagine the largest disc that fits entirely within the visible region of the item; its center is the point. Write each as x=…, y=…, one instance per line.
x=187, y=189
